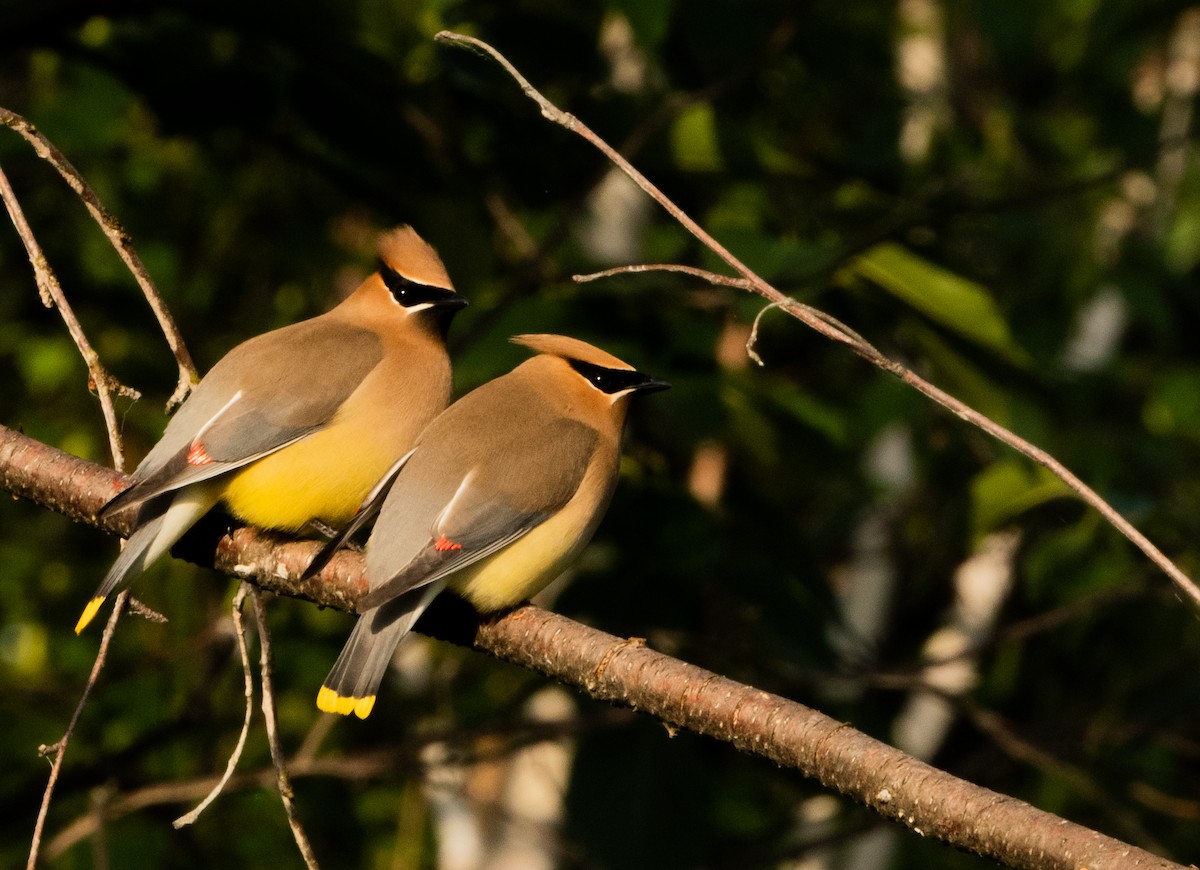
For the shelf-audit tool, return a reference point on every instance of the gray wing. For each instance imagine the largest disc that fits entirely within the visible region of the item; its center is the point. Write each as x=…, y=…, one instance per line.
x=265, y=394
x=445, y=513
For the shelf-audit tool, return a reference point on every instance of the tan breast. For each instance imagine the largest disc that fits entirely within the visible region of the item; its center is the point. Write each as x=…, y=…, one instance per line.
x=326, y=475
x=525, y=567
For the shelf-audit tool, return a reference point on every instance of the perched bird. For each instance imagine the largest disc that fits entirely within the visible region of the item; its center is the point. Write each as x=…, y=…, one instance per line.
x=501, y=493
x=294, y=427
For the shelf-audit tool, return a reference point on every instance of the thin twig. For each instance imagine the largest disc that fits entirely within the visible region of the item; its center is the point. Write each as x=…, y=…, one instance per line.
x=842, y=332
x=406, y=758
x=752, y=340
x=314, y=739
x=806, y=315
x=612, y=669
x=59, y=749
x=53, y=297
x=703, y=274
x=277, y=755
x=120, y=240
x=239, y=626
x=99, y=799
x=145, y=612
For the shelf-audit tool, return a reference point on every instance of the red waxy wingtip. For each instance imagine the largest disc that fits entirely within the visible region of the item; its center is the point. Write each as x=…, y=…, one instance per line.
x=197, y=455
x=443, y=544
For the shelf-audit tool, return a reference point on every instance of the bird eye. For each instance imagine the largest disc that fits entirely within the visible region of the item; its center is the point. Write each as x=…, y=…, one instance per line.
x=607, y=380
x=399, y=286
x=409, y=293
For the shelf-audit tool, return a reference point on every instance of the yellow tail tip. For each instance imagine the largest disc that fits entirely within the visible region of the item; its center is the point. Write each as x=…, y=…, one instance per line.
x=89, y=613
x=327, y=700
x=330, y=701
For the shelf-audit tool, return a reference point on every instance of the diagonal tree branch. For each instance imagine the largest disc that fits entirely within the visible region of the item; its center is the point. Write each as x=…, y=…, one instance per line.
x=120, y=241
x=929, y=801
x=807, y=315
x=53, y=297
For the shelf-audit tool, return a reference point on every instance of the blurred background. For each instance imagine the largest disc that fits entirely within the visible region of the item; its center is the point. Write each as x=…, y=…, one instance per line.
x=1001, y=195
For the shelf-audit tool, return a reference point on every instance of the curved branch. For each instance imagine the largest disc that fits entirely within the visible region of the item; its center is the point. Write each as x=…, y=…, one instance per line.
x=283, y=782
x=59, y=749
x=53, y=297
x=121, y=243
x=810, y=318
x=626, y=672
x=239, y=633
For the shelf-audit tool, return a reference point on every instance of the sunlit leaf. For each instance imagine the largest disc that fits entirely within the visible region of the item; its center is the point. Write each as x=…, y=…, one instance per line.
x=949, y=299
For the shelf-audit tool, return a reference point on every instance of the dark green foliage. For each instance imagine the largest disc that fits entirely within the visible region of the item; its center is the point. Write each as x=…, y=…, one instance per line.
x=252, y=150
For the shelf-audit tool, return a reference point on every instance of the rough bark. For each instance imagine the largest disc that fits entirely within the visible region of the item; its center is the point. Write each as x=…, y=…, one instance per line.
x=929, y=801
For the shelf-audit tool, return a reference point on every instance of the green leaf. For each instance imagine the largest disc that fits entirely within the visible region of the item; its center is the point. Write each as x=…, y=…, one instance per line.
x=947, y=298
x=694, y=142
x=1006, y=489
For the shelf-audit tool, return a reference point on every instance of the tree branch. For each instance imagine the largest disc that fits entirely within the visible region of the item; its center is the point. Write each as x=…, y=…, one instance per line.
x=239, y=629
x=625, y=672
x=408, y=757
x=821, y=323
x=59, y=749
x=120, y=241
x=282, y=781
x=53, y=297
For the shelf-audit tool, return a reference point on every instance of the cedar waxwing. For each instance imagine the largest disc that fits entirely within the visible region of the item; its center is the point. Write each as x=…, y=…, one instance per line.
x=501, y=493
x=294, y=427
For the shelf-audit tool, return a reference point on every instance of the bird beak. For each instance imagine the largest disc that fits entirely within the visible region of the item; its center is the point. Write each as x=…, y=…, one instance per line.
x=451, y=303
x=651, y=385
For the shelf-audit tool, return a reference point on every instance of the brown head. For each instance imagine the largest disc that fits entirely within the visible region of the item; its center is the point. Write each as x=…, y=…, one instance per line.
x=411, y=277
x=595, y=384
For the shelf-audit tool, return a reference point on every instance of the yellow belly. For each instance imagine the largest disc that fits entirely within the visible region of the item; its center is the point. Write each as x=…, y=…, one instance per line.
x=526, y=567
x=326, y=476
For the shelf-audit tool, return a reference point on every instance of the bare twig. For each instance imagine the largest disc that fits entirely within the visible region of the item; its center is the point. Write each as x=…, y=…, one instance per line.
x=99, y=799
x=806, y=315
x=612, y=669
x=703, y=274
x=120, y=241
x=239, y=627
x=752, y=339
x=372, y=764
x=59, y=749
x=313, y=740
x=147, y=613
x=843, y=333
x=53, y=297
x=282, y=781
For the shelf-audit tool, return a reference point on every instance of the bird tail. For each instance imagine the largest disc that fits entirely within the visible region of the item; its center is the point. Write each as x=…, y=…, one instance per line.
x=355, y=677
x=161, y=522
